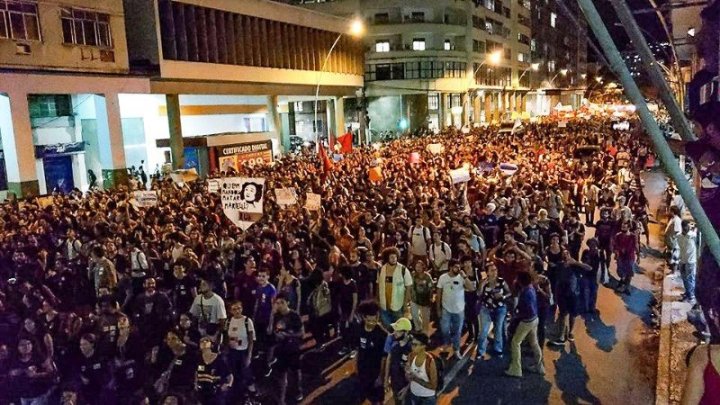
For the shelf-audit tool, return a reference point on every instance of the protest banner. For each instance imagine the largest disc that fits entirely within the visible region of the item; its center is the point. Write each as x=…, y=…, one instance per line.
x=242, y=200
x=435, y=148
x=285, y=196
x=312, y=202
x=508, y=169
x=375, y=174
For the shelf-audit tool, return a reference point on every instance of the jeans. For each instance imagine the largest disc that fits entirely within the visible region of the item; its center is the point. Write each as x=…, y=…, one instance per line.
x=451, y=327
x=497, y=318
x=415, y=400
x=420, y=318
x=588, y=294
x=526, y=330
x=242, y=375
x=39, y=400
x=687, y=271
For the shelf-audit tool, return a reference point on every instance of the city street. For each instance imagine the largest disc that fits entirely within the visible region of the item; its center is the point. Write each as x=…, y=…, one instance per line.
x=613, y=359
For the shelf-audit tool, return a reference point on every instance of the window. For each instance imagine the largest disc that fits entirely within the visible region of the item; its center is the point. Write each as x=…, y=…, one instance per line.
x=382, y=72
x=298, y=106
x=455, y=100
x=523, y=39
x=521, y=57
x=418, y=44
x=382, y=18
x=382, y=46
x=434, y=102
x=489, y=26
x=447, y=45
x=506, y=12
x=551, y=66
x=490, y=5
x=553, y=19
x=19, y=20
x=417, y=16
x=478, y=46
x=533, y=45
x=508, y=53
x=83, y=27
x=50, y=106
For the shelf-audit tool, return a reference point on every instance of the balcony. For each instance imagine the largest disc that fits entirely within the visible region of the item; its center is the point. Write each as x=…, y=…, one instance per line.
x=420, y=19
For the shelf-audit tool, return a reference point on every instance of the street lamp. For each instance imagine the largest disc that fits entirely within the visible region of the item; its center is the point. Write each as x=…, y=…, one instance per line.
x=563, y=72
x=356, y=29
x=492, y=59
x=534, y=67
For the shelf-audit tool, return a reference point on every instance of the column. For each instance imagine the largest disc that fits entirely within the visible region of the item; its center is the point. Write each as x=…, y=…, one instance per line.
x=339, y=116
x=18, y=145
x=330, y=122
x=275, y=124
x=441, y=111
x=110, y=140
x=476, y=108
x=466, y=108
x=177, y=148
x=488, y=107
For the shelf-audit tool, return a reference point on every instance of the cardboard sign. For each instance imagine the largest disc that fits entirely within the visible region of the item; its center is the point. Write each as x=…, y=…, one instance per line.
x=184, y=176
x=214, y=186
x=242, y=199
x=435, y=148
x=45, y=202
x=375, y=174
x=145, y=199
x=461, y=175
x=562, y=124
x=312, y=202
x=508, y=169
x=285, y=196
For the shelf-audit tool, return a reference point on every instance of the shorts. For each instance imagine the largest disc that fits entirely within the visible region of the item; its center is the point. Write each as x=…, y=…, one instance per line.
x=287, y=361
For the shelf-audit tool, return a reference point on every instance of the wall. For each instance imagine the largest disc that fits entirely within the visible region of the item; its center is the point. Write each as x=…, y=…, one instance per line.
x=52, y=53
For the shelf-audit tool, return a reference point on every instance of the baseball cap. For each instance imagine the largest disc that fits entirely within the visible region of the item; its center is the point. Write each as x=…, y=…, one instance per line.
x=402, y=324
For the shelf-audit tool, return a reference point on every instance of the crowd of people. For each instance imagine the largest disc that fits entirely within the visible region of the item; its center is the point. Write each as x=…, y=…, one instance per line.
x=106, y=302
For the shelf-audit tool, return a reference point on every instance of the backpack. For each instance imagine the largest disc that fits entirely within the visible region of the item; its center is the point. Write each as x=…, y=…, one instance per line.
x=320, y=300
x=440, y=370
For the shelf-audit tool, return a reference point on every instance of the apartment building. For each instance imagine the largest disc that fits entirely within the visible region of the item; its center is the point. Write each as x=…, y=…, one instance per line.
x=104, y=85
x=442, y=62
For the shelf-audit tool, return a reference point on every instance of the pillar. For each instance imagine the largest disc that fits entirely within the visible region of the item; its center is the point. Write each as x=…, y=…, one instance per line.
x=488, y=107
x=177, y=148
x=18, y=145
x=441, y=111
x=110, y=140
x=466, y=108
x=340, y=128
x=330, y=119
x=275, y=124
x=476, y=108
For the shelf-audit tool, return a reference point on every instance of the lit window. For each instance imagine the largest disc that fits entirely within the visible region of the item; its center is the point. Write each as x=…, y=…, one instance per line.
x=433, y=102
x=553, y=19
x=551, y=66
x=521, y=57
x=298, y=106
x=82, y=27
x=447, y=45
x=382, y=46
x=419, y=44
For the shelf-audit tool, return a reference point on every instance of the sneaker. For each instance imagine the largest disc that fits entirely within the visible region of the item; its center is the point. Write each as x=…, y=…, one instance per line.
x=343, y=352
x=299, y=397
x=457, y=355
x=353, y=354
x=486, y=357
x=268, y=372
x=559, y=342
x=571, y=337
x=272, y=362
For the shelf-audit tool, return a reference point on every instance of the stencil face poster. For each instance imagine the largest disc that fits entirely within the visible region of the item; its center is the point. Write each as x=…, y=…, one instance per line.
x=242, y=200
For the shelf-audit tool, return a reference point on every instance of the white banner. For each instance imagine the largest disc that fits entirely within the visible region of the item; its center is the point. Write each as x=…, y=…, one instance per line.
x=145, y=199
x=562, y=124
x=285, y=196
x=461, y=175
x=435, y=148
x=214, y=186
x=242, y=200
x=312, y=202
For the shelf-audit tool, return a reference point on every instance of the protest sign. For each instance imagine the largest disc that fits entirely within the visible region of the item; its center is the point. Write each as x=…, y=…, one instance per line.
x=461, y=175
x=375, y=174
x=508, y=169
x=285, y=196
x=312, y=202
x=435, y=148
x=213, y=186
x=562, y=124
x=242, y=200
x=144, y=199
x=414, y=157
x=184, y=176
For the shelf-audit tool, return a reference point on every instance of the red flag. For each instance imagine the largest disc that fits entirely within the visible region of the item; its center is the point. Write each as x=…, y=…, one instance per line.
x=346, y=142
x=331, y=141
x=327, y=164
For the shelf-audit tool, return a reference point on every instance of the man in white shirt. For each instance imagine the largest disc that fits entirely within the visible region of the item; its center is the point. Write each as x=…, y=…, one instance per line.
x=672, y=230
x=451, y=287
x=687, y=244
x=419, y=237
x=393, y=282
x=241, y=339
x=138, y=266
x=209, y=309
x=440, y=254
x=72, y=246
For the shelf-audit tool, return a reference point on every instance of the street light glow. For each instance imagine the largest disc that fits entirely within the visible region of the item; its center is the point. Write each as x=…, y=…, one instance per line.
x=535, y=67
x=494, y=58
x=357, y=28
x=564, y=72
x=599, y=79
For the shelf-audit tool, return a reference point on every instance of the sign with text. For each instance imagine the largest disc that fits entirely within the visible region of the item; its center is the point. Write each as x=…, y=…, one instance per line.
x=461, y=175
x=213, y=186
x=247, y=153
x=312, y=202
x=242, y=200
x=285, y=196
x=435, y=148
x=145, y=199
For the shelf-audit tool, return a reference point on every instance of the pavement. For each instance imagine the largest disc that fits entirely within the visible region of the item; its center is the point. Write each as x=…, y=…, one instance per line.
x=613, y=360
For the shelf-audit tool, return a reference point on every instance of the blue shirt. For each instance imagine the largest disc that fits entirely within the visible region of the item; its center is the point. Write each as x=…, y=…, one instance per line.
x=527, y=305
x=264, y=299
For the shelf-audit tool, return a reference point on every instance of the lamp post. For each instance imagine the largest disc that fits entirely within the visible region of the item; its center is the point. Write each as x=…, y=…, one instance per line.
x=563, y=72
x=356, y=29
x=492, y=59
x=534, y=67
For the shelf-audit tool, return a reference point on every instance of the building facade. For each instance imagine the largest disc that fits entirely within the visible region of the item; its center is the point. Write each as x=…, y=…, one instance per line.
x=427, y=62
x=104, y=85
x=560, y=45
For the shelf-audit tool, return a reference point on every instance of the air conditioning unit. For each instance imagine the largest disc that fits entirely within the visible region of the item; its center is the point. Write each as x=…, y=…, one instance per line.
x=107, y=55
x=22, y=49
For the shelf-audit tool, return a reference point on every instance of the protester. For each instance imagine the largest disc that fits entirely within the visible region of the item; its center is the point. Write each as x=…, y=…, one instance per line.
x=493, y=294
x=527, y=326
x=422, y=372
